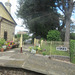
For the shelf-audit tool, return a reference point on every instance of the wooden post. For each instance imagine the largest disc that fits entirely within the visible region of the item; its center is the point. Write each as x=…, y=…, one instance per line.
x=41, y=42
x=50, y=49
x=37, y=42
x=34, y=41
x=13, y=39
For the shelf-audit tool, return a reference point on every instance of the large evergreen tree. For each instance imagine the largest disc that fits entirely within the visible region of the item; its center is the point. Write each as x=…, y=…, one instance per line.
x=40, y=16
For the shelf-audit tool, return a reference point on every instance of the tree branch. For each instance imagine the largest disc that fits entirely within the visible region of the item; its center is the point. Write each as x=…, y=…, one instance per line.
x=61, y=27
x=63, y=4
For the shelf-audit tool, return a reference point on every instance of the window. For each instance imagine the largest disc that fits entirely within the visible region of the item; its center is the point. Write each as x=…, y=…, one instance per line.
x=5, y=36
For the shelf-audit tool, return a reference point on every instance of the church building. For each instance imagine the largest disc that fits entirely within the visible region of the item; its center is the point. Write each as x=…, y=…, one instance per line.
x=7, y=23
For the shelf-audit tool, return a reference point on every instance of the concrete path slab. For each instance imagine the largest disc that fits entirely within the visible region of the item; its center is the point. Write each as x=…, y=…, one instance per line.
x=36, y=63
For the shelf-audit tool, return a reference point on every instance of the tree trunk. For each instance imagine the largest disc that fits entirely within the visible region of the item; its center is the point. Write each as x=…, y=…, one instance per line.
x=67, y=33
x=68, y=14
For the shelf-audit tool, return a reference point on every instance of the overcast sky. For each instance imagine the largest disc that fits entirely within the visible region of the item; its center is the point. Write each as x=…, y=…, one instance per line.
x=13, y=11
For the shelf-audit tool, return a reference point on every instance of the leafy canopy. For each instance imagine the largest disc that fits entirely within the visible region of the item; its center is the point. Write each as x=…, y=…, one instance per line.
x=53, y=35
x=40, y=16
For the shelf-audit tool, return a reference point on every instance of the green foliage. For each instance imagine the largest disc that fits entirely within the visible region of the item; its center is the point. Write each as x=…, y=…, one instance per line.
x=30, y=49
x=39, y=49
x=72, y=51
x=25, y=36
x=72, y=36
x=44, y=53
x=35, y=48
x=2, y=41
x=53, y=35
x=0, y=46
x=40, y=16
x=18, y=36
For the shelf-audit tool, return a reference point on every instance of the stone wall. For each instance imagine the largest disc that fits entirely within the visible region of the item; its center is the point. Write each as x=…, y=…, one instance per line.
x=16, y=71
x=9, y=28
x=0, y=29
x=59, y=57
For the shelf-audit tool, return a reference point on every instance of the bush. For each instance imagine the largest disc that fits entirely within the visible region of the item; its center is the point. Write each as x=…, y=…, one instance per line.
x=53, y=35
x=44, y=53
x=35, y=48
x=72, y=51
x=72, y=36
x=2, y=41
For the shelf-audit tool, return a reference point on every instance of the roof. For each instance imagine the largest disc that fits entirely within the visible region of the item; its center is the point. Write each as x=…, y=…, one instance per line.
x=7, y=20
x=8, y=13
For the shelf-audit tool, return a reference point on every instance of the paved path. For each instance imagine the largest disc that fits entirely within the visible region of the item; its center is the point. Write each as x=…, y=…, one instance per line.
x=33, y=62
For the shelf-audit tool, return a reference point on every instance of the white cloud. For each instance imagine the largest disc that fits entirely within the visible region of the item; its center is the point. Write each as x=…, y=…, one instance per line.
x=3, y=1
x=73, y=19
x=19, y=21
x=18, y=28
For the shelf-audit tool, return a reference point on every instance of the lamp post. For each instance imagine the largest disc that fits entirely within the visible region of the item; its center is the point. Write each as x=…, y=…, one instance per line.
x=21, y=39
x=21, y=43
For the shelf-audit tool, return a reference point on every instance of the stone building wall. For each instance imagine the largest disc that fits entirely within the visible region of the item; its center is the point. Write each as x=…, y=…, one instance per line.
x=0, y=29
x=17, y=71
x=9, y=28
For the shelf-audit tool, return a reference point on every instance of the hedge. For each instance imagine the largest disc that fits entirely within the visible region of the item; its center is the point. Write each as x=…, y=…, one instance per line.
x=72, y=51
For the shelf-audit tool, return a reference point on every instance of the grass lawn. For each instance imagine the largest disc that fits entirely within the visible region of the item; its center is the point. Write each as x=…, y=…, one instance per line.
x=73, y=60
x=51, y=50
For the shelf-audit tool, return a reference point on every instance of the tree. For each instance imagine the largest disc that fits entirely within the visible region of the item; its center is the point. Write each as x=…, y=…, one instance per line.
x=40, y=16
x=66, y=6
x=53, y=35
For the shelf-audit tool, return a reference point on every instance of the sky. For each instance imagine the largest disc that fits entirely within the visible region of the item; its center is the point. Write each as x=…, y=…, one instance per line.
x=20, y=21
x=13, y=11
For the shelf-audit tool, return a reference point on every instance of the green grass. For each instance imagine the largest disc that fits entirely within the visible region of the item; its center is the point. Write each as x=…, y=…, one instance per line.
x=51, y=49
x=73, y=59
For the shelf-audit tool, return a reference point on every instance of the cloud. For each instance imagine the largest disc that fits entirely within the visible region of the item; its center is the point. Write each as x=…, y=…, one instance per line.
x=19, y=21
x=18, y=28
x=73, y=19
x=3, y=1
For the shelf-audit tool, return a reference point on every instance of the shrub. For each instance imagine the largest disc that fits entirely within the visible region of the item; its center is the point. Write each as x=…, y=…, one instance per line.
x=53, y=35
x=72, y=36
x=72, y=51
x=35, y=48
x=2, y=41
x=44, y=53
